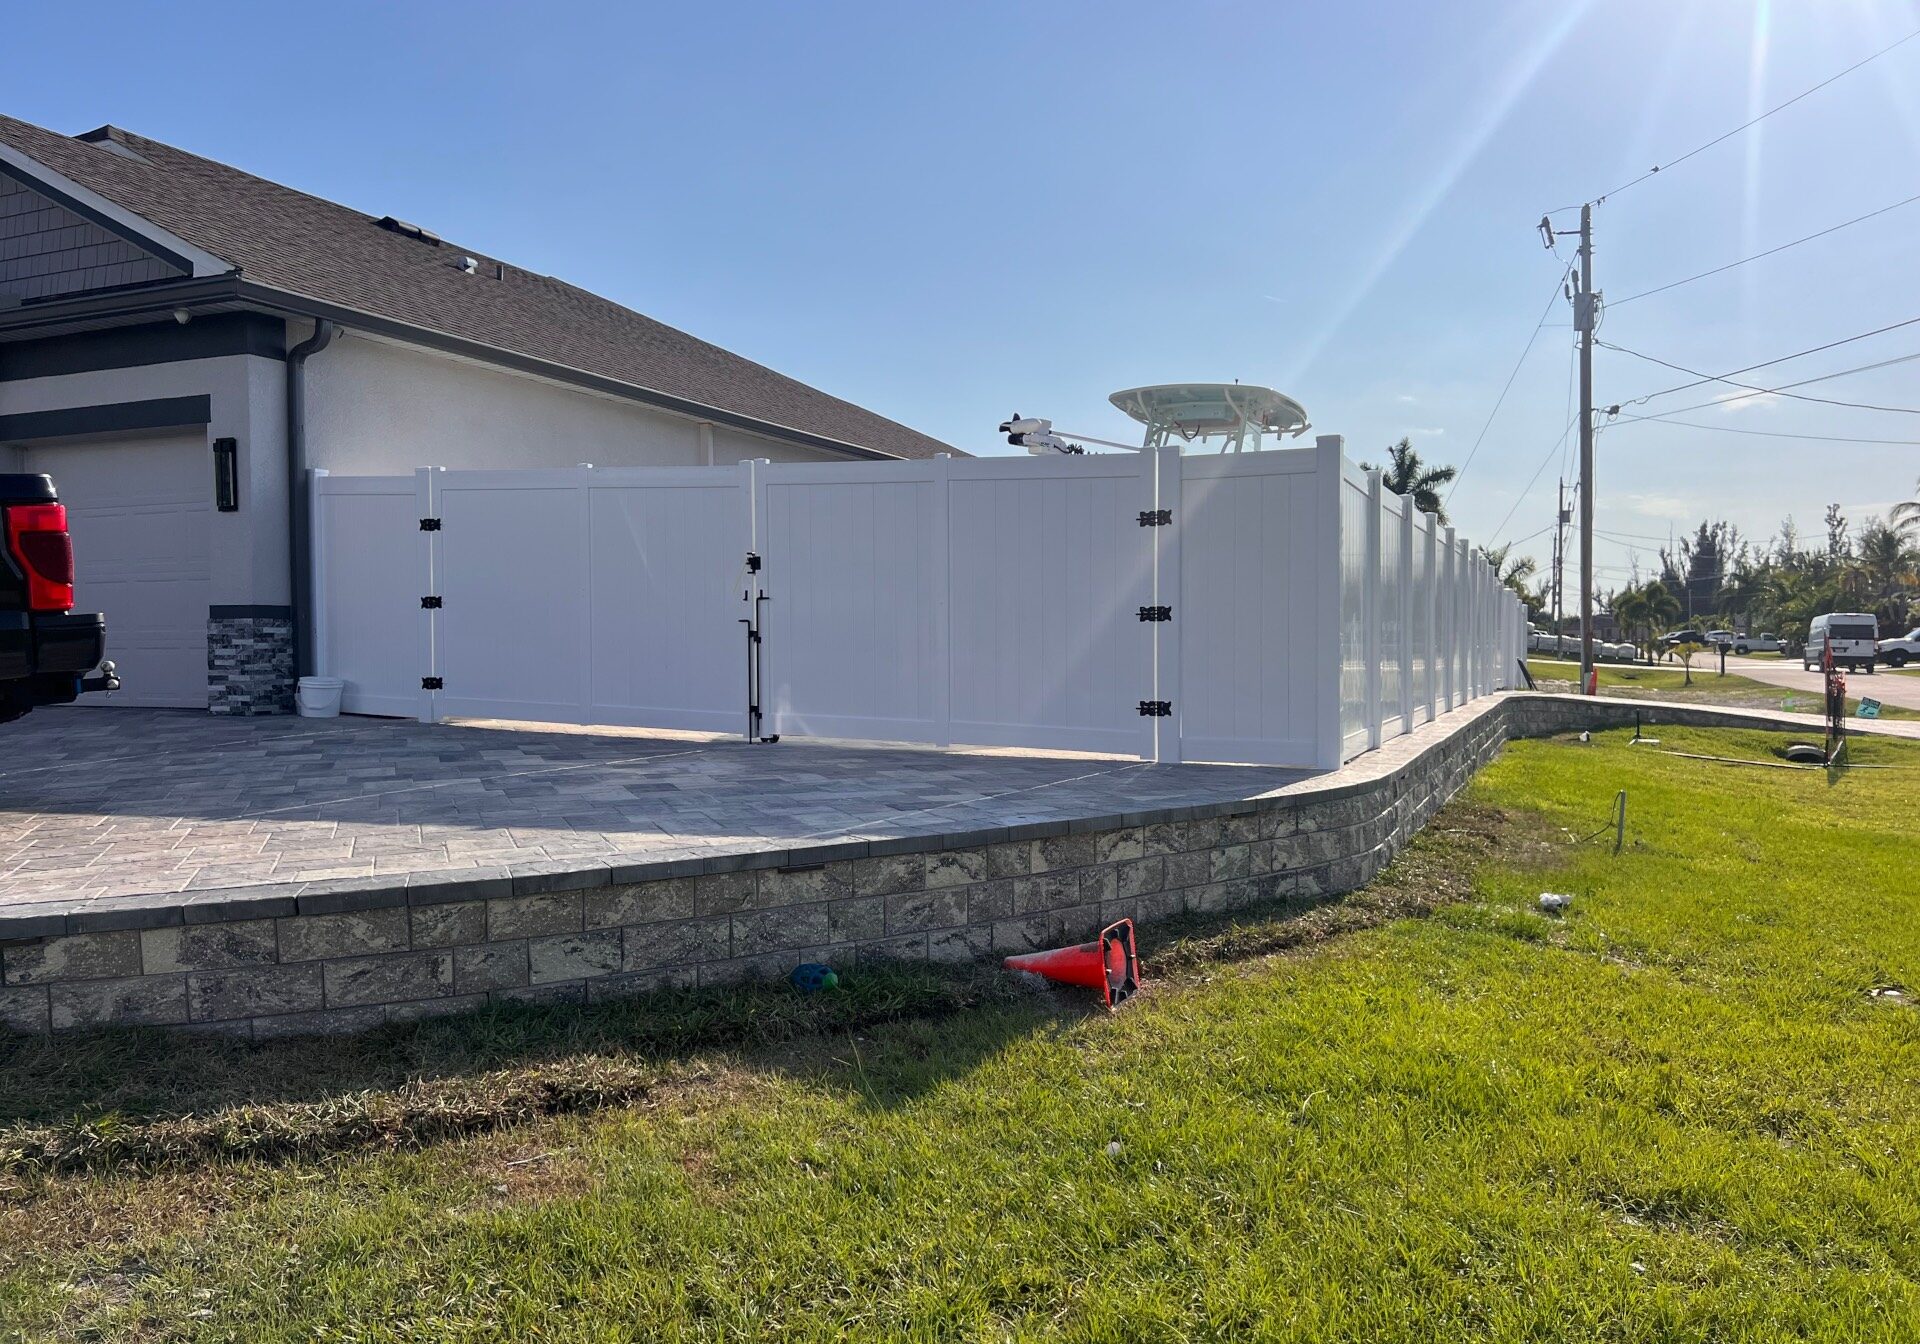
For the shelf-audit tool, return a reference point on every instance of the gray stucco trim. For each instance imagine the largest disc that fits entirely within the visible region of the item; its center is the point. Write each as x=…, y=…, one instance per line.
x=108, y=308
x=113, y=418
x=163, y=342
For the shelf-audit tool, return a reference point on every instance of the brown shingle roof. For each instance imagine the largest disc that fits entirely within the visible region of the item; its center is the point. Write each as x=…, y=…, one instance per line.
x=300, y=244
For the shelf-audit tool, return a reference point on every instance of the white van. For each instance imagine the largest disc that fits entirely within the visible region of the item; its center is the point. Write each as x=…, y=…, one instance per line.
x=1853, y=634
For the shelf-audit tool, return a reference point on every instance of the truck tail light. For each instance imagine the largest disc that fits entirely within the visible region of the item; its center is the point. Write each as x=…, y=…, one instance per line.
x=38, y=541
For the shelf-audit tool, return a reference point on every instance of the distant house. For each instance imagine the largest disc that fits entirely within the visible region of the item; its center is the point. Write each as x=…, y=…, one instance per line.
x=161, y=313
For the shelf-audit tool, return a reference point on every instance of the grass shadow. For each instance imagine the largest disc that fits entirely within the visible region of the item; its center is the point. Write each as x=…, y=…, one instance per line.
x=148, y=1098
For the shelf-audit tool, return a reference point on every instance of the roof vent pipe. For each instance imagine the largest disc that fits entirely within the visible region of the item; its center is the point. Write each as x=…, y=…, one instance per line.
x=299, y=521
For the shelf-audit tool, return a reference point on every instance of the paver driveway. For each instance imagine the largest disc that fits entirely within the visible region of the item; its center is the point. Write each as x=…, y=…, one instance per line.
x=109, y=802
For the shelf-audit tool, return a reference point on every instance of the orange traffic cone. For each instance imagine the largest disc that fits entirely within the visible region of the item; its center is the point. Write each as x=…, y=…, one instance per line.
x=1109, y=965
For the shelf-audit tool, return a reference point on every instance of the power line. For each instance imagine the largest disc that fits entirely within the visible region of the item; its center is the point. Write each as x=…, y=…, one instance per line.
x=1700, y=149
x=1637, y=536
x=1530, y=484
x=1804, y=382
x=1769, y=363
x=1501, y=399
x=1521, y=541
x=1766, y=433
x=1858, y=219
x=1720, y=378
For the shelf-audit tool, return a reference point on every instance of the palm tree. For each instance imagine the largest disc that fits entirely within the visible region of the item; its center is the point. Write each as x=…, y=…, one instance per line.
x=1889, y=569
x=1663, y=608
x=1745, y=590
x=1629, y=608
x=1513, y=573
x=1905, y=516
x=1406, y=474
x=1645, y=609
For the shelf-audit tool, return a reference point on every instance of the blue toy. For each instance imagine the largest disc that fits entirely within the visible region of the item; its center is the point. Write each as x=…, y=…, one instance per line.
x=811, y=977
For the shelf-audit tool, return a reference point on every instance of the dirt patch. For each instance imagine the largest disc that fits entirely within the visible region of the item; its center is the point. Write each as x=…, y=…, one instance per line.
x=1436, y=871
x=411, y=1116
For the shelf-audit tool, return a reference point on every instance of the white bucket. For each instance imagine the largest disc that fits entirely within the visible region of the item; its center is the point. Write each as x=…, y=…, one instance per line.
x=319, y=697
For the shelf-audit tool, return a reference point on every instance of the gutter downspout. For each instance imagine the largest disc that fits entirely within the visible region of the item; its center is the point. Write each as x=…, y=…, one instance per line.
x=299, y=522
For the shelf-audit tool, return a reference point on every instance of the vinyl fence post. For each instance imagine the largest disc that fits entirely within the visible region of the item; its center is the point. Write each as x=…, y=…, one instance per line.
x=1449, y=615
x=427, y=498
x=1166, y=635
x=942, y=613
x=317, y=589
x=1431, y=600
x=1406, y=615
x=1330, y=482
x=1371, y=603
x=1464, y=621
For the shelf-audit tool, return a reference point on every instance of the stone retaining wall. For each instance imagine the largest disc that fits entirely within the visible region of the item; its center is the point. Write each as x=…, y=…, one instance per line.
x=351, y=959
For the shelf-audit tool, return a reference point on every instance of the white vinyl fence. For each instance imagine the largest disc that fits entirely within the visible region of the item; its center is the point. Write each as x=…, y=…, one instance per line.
x=1274, y=607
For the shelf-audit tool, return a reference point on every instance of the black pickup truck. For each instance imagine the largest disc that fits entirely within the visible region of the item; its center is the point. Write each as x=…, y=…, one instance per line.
x=46, y=649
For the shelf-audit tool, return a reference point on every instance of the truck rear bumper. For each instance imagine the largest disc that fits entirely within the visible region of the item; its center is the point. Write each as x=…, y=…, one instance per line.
x=34, y=646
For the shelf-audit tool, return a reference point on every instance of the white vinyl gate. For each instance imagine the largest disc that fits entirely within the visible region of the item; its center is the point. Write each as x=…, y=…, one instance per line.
x=1273, y=607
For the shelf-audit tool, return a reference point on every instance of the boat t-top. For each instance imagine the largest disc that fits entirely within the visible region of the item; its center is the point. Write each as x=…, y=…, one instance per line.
x=1238, y=415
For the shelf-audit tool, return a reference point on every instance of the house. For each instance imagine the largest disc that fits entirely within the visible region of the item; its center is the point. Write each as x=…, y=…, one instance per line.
x=180, y=341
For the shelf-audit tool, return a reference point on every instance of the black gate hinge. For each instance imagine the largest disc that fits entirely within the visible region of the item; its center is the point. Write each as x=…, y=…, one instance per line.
x=431, y=684
x=429, y=524
x=1156, y=517
x=430, y=603
x=1156, y=709
x=1156, y=613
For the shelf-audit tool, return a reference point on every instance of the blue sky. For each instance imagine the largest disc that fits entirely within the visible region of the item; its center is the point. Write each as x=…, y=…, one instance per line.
x=951, y=213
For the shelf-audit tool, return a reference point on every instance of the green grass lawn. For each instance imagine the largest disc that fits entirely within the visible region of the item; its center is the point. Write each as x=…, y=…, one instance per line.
x=1668, y=681
x=1686, y=1110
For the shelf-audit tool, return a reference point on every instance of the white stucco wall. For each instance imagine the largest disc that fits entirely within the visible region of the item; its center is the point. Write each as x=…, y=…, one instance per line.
x=375, y=407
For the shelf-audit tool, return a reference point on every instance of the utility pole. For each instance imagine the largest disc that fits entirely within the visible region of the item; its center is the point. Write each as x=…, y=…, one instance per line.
x=1583, y=322
x=1559, y=559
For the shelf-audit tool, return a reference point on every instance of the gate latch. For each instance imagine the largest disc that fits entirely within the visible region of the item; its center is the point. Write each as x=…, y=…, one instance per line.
x=1156, y=709
x=1156, y=517
x=431, y=684
x=430, y=603
x=1156, y=613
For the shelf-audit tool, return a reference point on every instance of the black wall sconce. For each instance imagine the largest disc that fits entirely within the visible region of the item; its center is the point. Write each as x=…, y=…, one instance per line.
x=226, y=475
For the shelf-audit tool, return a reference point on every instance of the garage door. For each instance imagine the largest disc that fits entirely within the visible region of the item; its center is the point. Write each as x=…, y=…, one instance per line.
x=138, y=510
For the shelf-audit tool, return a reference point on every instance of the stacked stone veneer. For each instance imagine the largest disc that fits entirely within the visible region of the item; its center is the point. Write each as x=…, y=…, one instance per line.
x=250, y=664
x=346, y=956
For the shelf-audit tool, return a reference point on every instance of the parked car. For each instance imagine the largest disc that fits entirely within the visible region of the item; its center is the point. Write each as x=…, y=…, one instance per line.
x=1721, y=638
x=1758, y=644
x=1854, y=636
x=46, y=648
x=1899, y=652
x=1673, y=639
